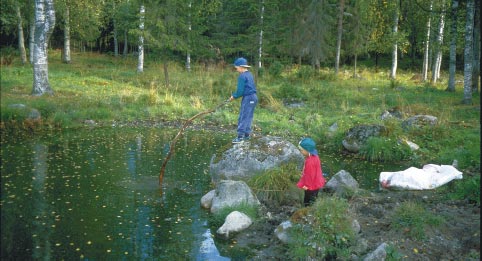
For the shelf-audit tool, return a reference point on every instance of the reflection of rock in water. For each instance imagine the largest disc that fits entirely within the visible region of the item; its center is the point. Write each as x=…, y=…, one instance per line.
x=208, y=250
x=144, y=183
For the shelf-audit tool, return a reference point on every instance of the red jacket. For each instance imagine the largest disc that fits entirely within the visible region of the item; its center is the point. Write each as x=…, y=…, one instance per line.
x=312, y=176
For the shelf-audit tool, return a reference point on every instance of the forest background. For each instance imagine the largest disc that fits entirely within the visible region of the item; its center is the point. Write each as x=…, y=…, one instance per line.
x=322, y=53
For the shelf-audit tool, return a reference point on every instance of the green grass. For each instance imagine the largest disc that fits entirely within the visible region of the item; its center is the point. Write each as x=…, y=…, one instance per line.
x=323, y=231
x=412, y=219
x=105, y=89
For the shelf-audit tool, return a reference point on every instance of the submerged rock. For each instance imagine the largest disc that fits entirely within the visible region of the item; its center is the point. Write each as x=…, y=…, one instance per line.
x=235, y=222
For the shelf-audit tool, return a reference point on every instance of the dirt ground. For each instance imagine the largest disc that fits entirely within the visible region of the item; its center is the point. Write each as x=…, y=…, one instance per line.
x=457, y=238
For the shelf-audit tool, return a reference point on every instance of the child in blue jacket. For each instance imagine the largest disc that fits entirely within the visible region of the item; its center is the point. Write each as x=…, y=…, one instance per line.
x=246, y=89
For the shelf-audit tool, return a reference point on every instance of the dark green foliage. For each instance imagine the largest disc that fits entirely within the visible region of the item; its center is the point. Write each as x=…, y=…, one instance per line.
x=275, y=69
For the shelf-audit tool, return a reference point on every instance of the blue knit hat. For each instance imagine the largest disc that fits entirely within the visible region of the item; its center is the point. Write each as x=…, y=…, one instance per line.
x=241, y=62
x=309, y=145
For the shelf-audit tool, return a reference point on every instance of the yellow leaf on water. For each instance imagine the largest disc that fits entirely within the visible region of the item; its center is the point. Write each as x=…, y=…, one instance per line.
x=415, y=251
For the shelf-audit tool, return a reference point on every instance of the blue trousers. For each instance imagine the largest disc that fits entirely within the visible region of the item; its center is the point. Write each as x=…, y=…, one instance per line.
x=246, y=113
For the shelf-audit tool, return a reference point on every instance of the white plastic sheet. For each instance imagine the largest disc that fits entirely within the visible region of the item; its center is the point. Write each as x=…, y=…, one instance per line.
x=429, y=177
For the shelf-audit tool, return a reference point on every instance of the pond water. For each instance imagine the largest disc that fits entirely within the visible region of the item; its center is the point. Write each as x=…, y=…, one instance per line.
x=94, y=194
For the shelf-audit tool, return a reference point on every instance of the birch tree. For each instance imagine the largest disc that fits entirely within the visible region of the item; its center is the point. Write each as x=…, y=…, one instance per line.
x=427, y=45
x=340, y=34
x=453, y=45
x=140, y=60
x=468, y=52
x=260, y=45
x=438, y=52
x=393, y=72
x=21, y=39
x=66, y=53
x=44, y=25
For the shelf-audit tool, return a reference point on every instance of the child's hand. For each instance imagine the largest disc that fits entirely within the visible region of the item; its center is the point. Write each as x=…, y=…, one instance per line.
x=305, y=188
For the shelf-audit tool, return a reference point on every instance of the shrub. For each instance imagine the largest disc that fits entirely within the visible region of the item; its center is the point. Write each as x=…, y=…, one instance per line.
x=276, y=69
x=324, y=232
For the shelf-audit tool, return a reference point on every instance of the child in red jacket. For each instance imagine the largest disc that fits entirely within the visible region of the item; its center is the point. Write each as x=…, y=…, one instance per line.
x=312, y=179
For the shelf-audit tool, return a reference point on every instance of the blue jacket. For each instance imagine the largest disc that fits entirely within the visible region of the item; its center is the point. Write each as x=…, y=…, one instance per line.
x=246, y=85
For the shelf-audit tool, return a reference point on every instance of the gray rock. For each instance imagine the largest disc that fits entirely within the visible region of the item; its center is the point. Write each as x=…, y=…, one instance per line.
x=232, y=193
x=341, y=182
x=419, y=121
x=207, y=200
x=282, y=231
x=358, y=135
x=379, y=254
x=234, y=222
x=244, y=160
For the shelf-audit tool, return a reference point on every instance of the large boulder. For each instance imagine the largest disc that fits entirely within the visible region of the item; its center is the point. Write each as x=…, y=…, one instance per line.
x=358, y=135
x=235, y=222
x=231, y=193
x=246, y=159
x=342, y=183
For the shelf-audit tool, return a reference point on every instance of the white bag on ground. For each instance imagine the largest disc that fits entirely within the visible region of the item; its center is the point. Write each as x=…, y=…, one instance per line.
x=429, y=177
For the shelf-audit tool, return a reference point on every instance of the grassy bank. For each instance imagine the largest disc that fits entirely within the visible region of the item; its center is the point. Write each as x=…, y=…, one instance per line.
x=108, y=90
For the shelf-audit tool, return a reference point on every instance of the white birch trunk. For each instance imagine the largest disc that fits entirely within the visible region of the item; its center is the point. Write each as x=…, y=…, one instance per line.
x=189, y=28
x=393, y=73
x=44, y=25
x=427, y=45
x=438, y=55
x=140, y=63
x=66, y=56
x=340, y=33
x=453, y=46
x=260, y=48
x=21, y=39
x=468, y=52
x=31, y=39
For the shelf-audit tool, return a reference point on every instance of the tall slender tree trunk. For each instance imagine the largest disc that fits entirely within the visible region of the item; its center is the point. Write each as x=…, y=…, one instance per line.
x=476, y=70
x=126, y=47
x=44, y=25
x=453, y=45
x=260, y=47
x=189, y=30
x=339, y=36
x=438, y=56
x=116, y=41
x=21, y=39
x=468, y=52
x=66, y=54
x=31, y=40
x=427, y=45
x=393, y=73
x=140, y=64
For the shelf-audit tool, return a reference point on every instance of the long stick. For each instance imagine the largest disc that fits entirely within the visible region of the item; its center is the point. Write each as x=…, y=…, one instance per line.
x=173, y=142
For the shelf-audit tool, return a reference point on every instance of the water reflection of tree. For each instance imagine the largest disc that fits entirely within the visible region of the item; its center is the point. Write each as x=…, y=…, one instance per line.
x=41, y=225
